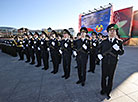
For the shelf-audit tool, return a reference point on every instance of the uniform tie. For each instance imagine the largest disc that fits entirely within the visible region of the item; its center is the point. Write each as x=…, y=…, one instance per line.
x=110, y=40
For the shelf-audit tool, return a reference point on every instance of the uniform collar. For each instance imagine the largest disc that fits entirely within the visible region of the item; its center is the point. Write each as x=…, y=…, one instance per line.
x=43, y=38
x=93, y=39
x=111, y=38
x=66, y=39
x=82, y=39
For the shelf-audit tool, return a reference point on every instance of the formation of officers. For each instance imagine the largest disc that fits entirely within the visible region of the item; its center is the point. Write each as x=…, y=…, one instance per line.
x=105, y=48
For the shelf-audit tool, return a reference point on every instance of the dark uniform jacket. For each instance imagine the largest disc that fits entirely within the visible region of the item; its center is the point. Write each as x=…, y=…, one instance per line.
x=30, y=43
x=36, y=45
x=54, y=46
x=78, y=46
x=93, y=45
x=109, y=54
x=66, y=46
x=44, y=45
x=19, y=43
x=25, y=43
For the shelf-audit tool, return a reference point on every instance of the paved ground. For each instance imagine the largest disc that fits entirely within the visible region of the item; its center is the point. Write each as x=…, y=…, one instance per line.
x=21, y=82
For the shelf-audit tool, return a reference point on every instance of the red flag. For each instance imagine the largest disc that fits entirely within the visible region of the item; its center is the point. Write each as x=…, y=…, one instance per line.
x=123, y=18
x=79, y=27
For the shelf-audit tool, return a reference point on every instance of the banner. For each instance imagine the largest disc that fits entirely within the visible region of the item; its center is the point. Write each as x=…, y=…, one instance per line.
x=97, y=21
x=134, y=32
x=79, y=27
x=123, y=18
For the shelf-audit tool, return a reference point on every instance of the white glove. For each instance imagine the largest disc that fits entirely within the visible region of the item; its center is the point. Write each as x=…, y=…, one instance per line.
x=32, y=47
x=23, y=41
x=34, y=42
x=66, y=45
x=94, y=44
x=84, y=46
x=26, y=45
x=29, y=41
x=20, y=42
x=48, y=49
x=53, y=43
x=38, y=48
x=116, y=47
x=60, y=52
x=100, y=56
x=42, y=42
x=75, y=53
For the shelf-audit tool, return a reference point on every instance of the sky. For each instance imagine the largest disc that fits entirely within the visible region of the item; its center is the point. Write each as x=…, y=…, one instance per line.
x=57, y=14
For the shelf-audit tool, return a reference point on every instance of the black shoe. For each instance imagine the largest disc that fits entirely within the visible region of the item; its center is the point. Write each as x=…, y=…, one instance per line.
x=108, y=96
x=52, y=71
x=92, y=71
x=27, y=61
x=76, y=67
x=102, y=92
x=37, y=65
x=82, y=84
x=20, y=59
x=63, y=76
x=98, y=64
x=89, y=70
x=44, y=68
x=32, y=63
x=78, y=82
x=66, y=77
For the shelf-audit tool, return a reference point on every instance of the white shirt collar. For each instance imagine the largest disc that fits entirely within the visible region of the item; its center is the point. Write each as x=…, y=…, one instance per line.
x=93, y=39
x=43, y=38
x=111, y=38
x=83, y=39
x=66, y=39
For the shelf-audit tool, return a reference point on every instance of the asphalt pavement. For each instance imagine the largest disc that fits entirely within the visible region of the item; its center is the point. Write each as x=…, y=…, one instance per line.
x=22, y=82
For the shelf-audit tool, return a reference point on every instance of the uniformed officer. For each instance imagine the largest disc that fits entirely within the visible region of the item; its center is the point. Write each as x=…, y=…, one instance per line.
x=31, y=47
x=20, y=47
x=81, y=49
x=59, y=38
x=78, y=37
x=93, y=45
x=37, y=49
x=14, y=45
x=87, y=37
x=109, y=51
x=25, y=47
x=45, y=50
x=54, y=50
x=100, y=37
x=66, y=51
